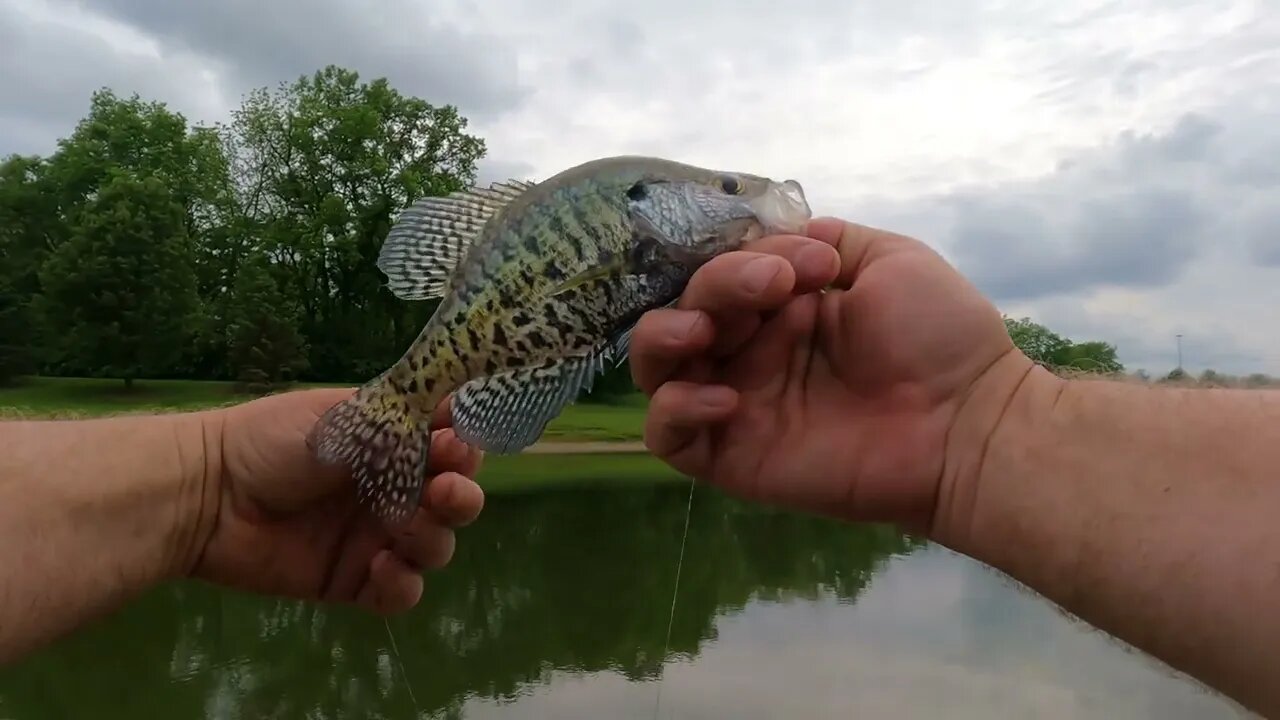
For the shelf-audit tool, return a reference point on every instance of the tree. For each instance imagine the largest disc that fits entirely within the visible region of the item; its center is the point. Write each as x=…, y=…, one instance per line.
x=26, y=214
x=143, y=140
x=1092, y=356
x=1035, y=340
x=121, y=292
x=262, y=335
x=15, y=334
x=320, y=168
x=1052, y=350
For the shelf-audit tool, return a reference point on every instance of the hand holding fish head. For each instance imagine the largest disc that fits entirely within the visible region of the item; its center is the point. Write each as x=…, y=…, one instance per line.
x=696, y=218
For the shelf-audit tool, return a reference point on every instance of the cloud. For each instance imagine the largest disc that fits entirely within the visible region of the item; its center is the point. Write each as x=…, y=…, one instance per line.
x=1134, y=241
x=421, y=50
x=54, y=61
x=1070, y=156
x=1132, y=213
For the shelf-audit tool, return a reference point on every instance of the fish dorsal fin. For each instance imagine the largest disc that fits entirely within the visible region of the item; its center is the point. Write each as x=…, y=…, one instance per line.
x=431, y=236
x=507, y=412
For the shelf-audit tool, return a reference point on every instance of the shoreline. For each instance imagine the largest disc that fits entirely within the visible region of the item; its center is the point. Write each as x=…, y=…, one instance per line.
x=585, y=447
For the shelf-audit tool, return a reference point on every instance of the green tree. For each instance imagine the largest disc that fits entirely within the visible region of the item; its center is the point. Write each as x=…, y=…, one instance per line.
x=320, y=168
x=16, y=357
x=1035, y=340
x=1092, y=356
x=1211, y=376
x=144, y=140
x=1048, y=348
x=27, y=211
x=121, y=293
x=263, y=341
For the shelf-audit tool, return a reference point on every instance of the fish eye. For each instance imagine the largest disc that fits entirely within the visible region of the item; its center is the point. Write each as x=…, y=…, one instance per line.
x=730, y=184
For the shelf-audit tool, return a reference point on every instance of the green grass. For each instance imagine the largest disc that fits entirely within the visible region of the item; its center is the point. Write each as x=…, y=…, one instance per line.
x=535, y=472
x=46, y=397
x=584, y=422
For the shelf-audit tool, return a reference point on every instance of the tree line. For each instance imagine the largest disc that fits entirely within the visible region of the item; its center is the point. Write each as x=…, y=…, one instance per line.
x=146, y=246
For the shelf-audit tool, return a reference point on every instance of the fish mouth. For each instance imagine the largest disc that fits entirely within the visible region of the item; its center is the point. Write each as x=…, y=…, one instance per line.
x=782, y=207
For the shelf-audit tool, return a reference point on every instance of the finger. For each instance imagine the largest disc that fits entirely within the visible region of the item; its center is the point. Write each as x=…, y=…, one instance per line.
x=737, y=281
x=857, y=245
x=393, y=587
x=454, y=500
x=662, y=339
x=451, y=454
x=679, y=416
x=733, y=288
x=780, y=353
x=815, y=263
x=442, y=416
x=737, y=287
x=425, y=544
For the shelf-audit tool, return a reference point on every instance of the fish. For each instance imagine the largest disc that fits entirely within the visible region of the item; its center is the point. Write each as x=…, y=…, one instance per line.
x=540, y=286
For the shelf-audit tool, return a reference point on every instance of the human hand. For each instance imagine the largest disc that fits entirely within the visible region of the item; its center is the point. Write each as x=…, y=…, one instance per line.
x=283, y=523
x=838, y=402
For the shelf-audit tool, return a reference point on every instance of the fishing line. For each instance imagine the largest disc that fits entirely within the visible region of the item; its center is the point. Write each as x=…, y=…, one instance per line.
x=400, y=661
x=666, y=646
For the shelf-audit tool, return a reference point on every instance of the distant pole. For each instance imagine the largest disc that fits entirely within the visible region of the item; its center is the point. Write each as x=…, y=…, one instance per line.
x=1179, y=351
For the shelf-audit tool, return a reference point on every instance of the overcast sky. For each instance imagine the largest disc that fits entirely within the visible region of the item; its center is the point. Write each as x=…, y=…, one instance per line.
x=1110, y=169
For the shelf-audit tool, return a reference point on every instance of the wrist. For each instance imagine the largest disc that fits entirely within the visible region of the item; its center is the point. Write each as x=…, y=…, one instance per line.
x=1004, y=402
x=199, y=438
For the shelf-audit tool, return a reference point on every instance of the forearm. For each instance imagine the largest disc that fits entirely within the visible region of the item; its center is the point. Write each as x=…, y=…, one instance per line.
x=1149, y=512
x=92, y=513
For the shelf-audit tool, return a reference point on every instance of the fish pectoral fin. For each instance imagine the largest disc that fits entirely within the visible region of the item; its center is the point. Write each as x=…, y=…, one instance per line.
x=507, y=412
x=596, y=272
x=433, y=234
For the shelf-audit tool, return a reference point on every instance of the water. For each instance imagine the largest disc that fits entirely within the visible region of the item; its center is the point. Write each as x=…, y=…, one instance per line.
x=556, y=606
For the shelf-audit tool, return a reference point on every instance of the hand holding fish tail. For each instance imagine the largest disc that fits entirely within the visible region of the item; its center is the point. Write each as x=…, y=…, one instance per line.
x=94, y=513
x=285, y=524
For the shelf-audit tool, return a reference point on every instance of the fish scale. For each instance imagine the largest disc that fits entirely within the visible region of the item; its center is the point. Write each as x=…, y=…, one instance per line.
x=539, y=286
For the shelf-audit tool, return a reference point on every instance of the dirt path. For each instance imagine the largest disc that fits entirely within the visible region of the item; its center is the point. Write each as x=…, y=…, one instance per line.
x=588, y=447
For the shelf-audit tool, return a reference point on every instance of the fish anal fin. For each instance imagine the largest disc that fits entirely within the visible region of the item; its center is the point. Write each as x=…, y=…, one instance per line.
x=507, y=412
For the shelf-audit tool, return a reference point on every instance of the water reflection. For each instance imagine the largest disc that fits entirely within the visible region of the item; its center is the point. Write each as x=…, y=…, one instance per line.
x=556, y=605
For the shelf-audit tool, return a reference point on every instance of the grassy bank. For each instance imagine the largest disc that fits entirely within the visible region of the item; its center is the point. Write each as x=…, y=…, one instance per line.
x=533, y=472
x=89, y=397
x=578, y=429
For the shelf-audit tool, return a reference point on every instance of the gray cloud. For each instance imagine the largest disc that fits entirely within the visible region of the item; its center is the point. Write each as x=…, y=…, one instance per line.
x=489, y=170
x=1019, y=247
x=52, y=67
x=1133, y=213
x=265, y=43
x=1263, y=232
x=884, y=111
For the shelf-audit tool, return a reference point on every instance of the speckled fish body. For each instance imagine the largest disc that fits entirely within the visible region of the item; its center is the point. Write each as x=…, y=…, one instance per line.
x=539, y=286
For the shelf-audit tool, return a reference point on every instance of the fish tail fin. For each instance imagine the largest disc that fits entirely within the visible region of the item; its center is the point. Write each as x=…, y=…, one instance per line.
x=385, y=443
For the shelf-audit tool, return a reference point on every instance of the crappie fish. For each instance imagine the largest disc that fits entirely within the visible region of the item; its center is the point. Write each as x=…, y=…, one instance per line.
x=540, y=285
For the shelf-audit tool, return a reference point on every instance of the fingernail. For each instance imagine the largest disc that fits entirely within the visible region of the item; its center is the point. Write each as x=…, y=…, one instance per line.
x=758, y=273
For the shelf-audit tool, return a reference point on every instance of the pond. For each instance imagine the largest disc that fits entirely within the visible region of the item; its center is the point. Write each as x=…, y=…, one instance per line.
x=557, y=606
